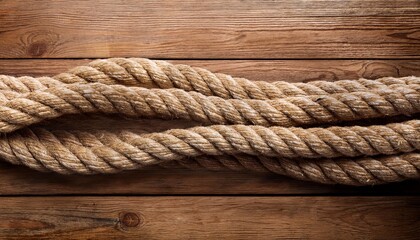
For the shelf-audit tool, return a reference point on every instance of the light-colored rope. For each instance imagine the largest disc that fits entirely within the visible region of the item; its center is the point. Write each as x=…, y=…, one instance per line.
x=86, y=153
x=161, y=74
x=116, y=86
x=53, y=102
x=102, y=151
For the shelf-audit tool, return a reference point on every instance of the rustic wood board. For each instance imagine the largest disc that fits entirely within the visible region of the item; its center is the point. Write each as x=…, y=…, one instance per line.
x=210, y=29
x=210, y=217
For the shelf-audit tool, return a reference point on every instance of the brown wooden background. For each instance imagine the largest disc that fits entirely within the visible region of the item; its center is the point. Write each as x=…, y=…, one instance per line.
x=261, y=40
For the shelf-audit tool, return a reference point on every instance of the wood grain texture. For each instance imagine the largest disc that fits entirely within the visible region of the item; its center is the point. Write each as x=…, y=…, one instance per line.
x=15, y=180
x=210, y=29
x=210, y=218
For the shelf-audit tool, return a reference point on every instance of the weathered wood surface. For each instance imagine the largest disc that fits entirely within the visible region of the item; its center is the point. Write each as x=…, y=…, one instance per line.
x=210, y=218
x=15, y=180
x=210, y=29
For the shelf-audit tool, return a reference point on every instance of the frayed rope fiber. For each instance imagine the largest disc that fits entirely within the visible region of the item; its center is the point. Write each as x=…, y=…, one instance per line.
x=293, y=129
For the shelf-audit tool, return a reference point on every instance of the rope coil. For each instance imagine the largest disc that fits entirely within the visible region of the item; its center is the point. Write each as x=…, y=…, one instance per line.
x=266, y=134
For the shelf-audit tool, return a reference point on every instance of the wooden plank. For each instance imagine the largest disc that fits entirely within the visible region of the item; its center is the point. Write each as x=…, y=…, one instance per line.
x=210, y=29
x=16, y=180
x=261, y=70
x=210, y=217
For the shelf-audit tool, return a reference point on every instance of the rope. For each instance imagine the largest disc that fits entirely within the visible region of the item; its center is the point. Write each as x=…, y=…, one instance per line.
x=161, y=74
x=264, y=137
x=53, y=102
x=102, y=151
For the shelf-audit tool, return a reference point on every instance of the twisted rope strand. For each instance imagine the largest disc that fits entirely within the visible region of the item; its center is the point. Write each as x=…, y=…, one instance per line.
x=102, y=151
x=284, y=142
x=149, y=74
x=53, y=102
x=138, y=71
x=40, y=149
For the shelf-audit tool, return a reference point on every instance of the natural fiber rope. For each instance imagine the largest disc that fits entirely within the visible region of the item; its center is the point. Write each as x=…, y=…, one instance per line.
x=98, y=151
x=150, y=74
x=27, y=100
x=88, y=153
x=173, y=103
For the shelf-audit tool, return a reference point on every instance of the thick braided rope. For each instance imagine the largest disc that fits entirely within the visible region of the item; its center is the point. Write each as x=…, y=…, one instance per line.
x=148, y=73
x=53, y=102
x=360, y=171
x=102, y=151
